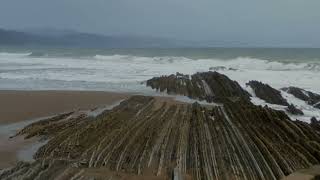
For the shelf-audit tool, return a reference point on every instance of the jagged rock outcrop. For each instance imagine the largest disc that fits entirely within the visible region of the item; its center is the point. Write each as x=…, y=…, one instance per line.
x=293, y=110
x=158, y=136
x=310, y=97
x=209, y=86
x=267, y=93
x=315, y=124
x=272, y=96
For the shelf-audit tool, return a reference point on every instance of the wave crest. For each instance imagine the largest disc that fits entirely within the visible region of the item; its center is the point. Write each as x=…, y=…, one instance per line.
x=7, y=54
x=241, y=63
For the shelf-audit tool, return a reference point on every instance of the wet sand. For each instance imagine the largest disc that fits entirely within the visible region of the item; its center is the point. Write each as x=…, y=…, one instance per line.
x=10, y=150
x=305, y=174
x=19, y=108
x=22, y=105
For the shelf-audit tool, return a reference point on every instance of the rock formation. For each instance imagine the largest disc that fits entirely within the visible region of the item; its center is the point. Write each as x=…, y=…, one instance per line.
x=272, y=96
x=293, y=110
x=315, y=124
x=154, y=136
x=159, y=138
x=209, y=86
x=267, y=93
x=311, y=98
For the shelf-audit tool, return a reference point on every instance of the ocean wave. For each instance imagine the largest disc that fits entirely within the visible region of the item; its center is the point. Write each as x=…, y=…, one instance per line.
x=111, y=57
x=7, y=54
x=133, y=69
x=231, y=64
x=38, y=54
x=261, y=64
x=239, y=63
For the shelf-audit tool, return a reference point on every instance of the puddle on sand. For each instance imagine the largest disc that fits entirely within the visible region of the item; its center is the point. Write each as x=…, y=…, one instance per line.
x=17, y=148
x=8, y=130
x=26, y=153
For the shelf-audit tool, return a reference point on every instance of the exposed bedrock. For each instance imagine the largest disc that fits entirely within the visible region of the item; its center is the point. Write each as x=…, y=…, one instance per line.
x=267, y=93
x=293, y=110
x=209, y=86
x=51, y=126
x=315, y=124
x=157, y=137
x=221, y=68
x=216, y=87
x=310, y=97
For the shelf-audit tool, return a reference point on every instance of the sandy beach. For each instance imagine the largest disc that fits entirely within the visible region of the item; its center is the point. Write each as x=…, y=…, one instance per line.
x=24, y=105
x=18, y=107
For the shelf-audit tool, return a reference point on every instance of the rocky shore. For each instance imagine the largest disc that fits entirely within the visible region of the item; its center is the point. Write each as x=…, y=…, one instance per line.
x=160, y=138
x=311, y=98
x=209, y=86
x=267, y=93
x=272, y=96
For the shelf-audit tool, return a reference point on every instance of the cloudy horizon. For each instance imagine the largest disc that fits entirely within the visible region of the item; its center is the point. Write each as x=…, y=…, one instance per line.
x=256, y=23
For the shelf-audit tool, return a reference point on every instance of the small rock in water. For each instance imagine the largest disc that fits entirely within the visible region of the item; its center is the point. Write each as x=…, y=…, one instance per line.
x=308, y=96
x=293, y=110
x=314, y=120
x=217, y=68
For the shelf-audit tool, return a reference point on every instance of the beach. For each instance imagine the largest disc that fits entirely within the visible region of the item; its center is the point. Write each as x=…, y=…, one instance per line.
x=17, y=108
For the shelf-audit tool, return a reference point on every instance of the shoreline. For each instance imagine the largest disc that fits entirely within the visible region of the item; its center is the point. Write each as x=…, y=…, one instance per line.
x=19, y=108
x=16, y=105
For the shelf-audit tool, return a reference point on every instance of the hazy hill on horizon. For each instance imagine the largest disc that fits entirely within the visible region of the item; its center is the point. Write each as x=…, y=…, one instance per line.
x=70, y=38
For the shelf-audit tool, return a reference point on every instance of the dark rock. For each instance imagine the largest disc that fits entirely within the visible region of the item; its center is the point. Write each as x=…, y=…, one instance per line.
x=313, y=120
x=311, y=98
x=297, y=92
x=210, y=86
x=217, y=68
x=221, y=68
x=233, y=69
x=293, y=110
x=315, y=124
x=267, y=93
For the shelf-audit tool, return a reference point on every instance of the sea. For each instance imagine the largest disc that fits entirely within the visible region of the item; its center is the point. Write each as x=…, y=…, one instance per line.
x=126, y=70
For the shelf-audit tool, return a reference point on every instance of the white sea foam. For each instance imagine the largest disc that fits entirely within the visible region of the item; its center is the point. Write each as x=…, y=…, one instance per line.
x=126, y=69
x=309, y=111
x=6, y=54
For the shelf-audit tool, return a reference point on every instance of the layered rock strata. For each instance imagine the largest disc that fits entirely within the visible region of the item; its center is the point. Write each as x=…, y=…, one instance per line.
x=209, y=86
x=159, y=137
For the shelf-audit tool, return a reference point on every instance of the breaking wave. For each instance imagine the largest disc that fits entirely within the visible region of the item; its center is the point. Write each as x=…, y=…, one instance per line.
x=7, y=54
x=38, y=54
x=236, y=63
x=127, y=70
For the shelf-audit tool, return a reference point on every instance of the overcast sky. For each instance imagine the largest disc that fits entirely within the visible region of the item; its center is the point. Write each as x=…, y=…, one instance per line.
x=256, y=22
